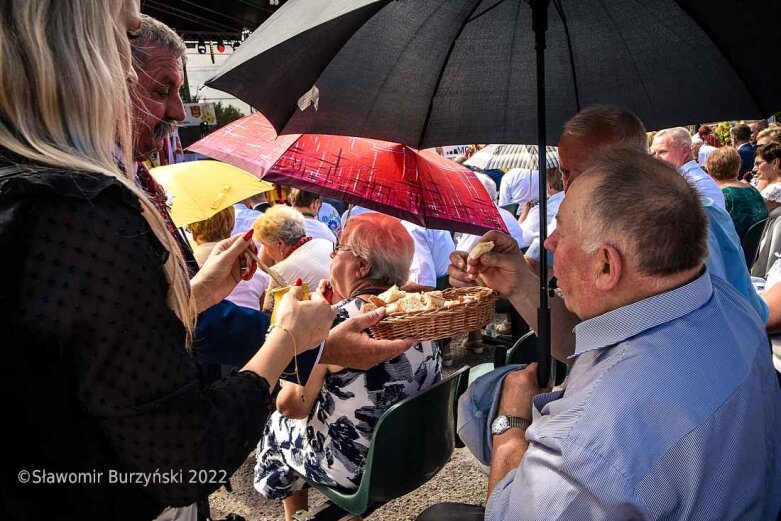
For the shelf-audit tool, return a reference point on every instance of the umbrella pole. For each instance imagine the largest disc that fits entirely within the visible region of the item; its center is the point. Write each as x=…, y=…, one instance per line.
x=540, y=26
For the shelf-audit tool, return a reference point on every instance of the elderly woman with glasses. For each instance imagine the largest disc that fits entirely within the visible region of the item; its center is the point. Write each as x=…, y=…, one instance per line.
x=323, y=430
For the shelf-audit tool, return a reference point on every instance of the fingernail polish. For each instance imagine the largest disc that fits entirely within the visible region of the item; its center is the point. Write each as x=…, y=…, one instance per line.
x=299, y=282
x=247, y=235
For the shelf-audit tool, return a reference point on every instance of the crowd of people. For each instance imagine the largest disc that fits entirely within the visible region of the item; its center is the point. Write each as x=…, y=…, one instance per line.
x=117, y=329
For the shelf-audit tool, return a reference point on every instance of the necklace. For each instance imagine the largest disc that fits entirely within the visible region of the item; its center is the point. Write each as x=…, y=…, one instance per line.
x=301, y=242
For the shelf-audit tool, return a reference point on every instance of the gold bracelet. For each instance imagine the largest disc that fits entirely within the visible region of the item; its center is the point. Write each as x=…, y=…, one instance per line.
x=295, y=351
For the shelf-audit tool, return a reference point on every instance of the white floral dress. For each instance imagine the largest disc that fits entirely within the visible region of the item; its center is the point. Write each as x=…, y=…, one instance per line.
x=330, y=446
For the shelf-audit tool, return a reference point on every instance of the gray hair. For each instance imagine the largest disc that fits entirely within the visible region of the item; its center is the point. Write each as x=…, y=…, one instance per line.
x=637, y=198
x=154, y=33
x=280, y=223
x=612, y=124
x=679, y=135
x=489, y=185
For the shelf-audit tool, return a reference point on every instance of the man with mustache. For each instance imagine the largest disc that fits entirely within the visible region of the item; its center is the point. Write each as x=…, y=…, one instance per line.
x=226, y=333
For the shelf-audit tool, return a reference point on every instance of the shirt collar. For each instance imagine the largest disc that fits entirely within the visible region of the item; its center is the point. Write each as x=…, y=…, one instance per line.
x=688, y=167
x=625, y=322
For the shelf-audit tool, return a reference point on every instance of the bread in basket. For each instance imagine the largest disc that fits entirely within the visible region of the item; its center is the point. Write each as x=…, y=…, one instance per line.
x=432, y=315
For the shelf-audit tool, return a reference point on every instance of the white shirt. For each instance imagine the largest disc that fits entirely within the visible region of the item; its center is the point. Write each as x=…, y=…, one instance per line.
x=518, y=186
x=310, y=263
x=536, y=247
x=245, y=218
x=247, y=293
x=467, y=242
x=330, y=217
x=531, y=226
x=318, y=230
x=356, y=210
x=702, y=182
x=432, y=254
x=705, y=151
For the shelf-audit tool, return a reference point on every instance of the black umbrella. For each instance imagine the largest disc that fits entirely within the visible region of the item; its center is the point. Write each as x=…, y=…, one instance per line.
x=437, y=72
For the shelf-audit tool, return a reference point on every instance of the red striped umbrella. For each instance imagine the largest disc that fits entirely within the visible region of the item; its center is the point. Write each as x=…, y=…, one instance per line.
x=417, y=186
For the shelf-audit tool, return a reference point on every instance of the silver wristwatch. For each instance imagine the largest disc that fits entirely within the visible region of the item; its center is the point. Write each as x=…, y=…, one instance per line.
x=502, y=423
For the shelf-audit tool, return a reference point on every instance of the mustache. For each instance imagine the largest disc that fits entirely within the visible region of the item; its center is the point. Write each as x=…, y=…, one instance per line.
x=163, y=128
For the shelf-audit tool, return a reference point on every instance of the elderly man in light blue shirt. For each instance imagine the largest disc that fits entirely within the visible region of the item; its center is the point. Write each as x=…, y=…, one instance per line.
x=672, y=409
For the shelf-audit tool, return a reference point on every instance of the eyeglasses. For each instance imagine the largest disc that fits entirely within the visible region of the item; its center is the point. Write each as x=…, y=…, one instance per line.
x=340, y=247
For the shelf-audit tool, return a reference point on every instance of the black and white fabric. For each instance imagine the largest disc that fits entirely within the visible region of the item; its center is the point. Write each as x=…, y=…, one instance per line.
x=330, y=446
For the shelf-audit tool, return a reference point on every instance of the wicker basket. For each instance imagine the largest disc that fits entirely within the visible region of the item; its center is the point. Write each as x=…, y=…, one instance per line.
x=443, y=322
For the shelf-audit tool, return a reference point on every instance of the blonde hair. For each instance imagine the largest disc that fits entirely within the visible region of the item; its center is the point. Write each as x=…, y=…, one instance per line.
x=279, y=223
x=64, y=103
x=216, y=227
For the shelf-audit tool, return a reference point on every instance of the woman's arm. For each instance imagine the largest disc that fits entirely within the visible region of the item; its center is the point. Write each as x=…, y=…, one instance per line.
x=125, y=347
x=296, y=401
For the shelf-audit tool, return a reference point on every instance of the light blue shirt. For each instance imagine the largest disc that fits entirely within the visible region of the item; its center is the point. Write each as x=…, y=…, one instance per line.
x=672, y=411
x=702, y=182
x=244, y=218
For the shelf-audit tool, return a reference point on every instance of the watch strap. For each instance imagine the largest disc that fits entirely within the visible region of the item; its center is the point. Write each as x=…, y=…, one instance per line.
x=521, y=423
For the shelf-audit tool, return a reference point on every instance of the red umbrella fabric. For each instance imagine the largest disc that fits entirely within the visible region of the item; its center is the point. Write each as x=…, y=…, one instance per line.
x=417, y=186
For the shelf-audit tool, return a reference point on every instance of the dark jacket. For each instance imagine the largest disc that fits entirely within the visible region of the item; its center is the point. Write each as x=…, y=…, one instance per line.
x=96, y=376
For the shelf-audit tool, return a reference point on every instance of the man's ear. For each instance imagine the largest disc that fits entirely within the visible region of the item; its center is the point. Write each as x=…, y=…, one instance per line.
x=610, y=267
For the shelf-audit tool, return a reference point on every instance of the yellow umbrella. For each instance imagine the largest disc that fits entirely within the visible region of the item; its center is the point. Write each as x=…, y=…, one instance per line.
x=200, y=189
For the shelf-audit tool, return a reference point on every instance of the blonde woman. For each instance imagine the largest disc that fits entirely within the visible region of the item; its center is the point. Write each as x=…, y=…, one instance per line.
x=96, y=307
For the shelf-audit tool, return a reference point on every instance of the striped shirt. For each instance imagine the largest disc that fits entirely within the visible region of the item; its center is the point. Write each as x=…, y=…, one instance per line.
x=672, y=411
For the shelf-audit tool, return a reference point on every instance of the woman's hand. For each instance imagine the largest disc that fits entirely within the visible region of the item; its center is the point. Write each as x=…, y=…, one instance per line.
x=227, y=264
x=307, y=320
x=349, y=345
x=327, y=290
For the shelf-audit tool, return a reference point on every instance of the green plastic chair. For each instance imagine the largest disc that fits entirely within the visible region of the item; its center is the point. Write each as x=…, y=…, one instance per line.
x=750, y=242
x=413, y=440
x=524, y=351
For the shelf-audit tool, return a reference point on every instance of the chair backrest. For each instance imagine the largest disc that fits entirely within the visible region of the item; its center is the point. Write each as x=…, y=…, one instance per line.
x=413, y=440
x=750, y=241
x=524, y=351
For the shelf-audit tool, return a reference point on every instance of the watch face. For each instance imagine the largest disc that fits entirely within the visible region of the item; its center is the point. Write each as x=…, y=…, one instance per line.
x=501, y=424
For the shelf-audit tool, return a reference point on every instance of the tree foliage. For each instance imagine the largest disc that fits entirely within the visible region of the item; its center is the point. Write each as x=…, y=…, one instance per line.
x=226, y=113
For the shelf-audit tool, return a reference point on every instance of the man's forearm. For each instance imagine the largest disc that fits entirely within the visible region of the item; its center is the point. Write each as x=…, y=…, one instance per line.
x=527, y=300
x=508, y=449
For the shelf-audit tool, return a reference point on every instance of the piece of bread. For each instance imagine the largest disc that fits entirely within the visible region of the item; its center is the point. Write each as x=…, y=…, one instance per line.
x=480, y=249
x=451, y=303
x=433, y=301
x=411, y=303
x=392, y=294
x=378, y=302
